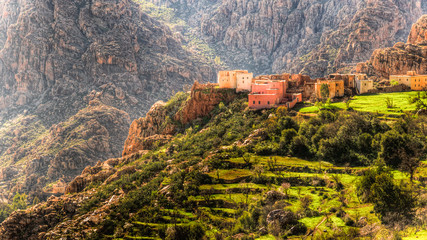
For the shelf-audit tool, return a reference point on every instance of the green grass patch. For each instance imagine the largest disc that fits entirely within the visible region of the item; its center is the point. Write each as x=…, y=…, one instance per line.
x=232, y=186
x=375, y=103
x=286, y=161
x=337, y=221
x=230, y=174
x=311, y=222
x=416, y=235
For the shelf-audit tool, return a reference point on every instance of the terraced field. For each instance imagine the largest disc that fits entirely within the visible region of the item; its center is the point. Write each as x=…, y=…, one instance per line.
x=287, y=182
x=374, y=103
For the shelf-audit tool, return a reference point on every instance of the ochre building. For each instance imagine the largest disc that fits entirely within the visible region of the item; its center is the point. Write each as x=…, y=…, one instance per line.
x=411, y=79
x=336, y=88
x=241, y=80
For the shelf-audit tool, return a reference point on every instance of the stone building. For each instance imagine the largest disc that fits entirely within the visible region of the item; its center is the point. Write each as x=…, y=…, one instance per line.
x=273, y=91
x=336, y=88
x=347, y=78
x=364, y=86
x=267, y=93
x=309, y=89
x=413, y=80
x=241, y=80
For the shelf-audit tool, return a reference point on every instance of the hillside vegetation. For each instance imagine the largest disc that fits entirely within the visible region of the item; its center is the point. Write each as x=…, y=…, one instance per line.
x=259, y=175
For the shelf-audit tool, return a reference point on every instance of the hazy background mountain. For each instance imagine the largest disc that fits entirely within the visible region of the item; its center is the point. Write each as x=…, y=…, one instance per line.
x=72, y=75
x=311, y=37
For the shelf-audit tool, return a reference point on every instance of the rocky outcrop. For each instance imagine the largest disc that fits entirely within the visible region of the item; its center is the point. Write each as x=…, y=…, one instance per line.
x=38, y=156
x=402, y=57
x=163, y=119
x=98, y=173
x=144, y=129
x=32, y=223
x=203, y=99
x=56, y=58
x=57, y=217
x=53, y=53
x=312, y=37
x=418, y=34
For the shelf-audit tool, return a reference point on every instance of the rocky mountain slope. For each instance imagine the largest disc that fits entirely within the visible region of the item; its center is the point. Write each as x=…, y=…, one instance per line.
x=72, y=75
x=315, y=38
x=163, y=121
x=235, y=175
x=40, y=156
x=402, y=57
x=58, y=52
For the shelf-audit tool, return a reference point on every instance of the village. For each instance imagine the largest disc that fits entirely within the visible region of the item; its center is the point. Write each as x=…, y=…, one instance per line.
x=268, y=91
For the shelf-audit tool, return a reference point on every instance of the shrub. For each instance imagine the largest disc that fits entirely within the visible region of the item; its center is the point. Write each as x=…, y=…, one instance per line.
x=306, y=202
x=299, y=147
x=193, y=231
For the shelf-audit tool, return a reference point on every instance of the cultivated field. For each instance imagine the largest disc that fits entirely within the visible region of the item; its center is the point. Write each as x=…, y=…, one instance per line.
x=375, y=103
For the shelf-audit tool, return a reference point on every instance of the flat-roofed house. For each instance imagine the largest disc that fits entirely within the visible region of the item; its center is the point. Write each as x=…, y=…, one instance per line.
x=336, y=88
x=413, y=80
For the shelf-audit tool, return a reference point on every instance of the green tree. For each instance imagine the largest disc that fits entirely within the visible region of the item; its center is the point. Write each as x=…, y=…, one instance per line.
x=396, y=147
x=420, y=101
x=299, y=147
x=389, y=102
x=392, y=145
x=324, y=91
x=392, y=203
x=5, y=211
x=19, y=201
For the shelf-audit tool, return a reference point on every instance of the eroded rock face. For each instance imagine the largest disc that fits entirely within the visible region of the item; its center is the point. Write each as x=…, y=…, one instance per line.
x=402, y=57
x=30, y=223
x=311, y=37
x=157, y=128
x=153, y=124
x=203, y=99
x=98, y=173
x=56, y=58
x=418, y=34
x=40, y=156
x=55, y=52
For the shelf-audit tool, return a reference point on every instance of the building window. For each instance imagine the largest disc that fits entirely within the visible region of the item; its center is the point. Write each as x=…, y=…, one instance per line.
x=259, y=102
x=268, y=102
x=254, y=102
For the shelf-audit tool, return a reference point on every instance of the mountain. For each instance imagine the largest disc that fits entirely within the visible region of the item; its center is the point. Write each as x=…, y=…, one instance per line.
x=402, y=57
x=314, y=38
x=72, y=76
x=230, y=172
x=58, y=52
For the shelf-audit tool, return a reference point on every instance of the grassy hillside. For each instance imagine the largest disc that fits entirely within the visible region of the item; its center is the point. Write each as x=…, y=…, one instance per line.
x=374, y=103
x=269, y=175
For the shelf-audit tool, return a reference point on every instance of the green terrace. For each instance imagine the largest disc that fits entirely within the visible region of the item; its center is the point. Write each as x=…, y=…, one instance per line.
x=374, y=103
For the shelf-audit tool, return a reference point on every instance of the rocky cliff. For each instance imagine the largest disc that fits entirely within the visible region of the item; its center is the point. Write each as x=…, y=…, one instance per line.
x=53, y=53
x=165, y=119
x=402, y=57
x=312, y=37
x=72, y=75
x=40, y=156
